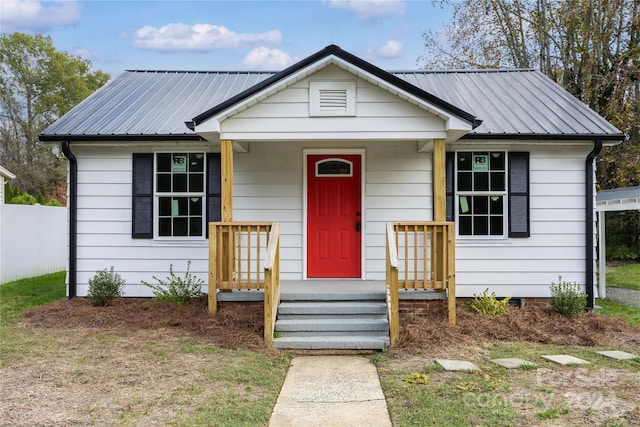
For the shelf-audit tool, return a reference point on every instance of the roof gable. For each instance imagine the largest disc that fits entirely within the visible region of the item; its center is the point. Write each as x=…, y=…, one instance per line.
x=333, y=54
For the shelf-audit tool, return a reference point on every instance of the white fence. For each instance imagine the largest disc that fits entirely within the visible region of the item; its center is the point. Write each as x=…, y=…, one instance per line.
x=33, y=241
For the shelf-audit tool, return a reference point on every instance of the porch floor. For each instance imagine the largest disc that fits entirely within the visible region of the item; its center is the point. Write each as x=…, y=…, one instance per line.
x=335, y=289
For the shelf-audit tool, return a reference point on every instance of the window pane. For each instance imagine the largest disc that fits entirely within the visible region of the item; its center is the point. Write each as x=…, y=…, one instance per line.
x=182, y=206
x=180, y=183
x=480, y=205
x=164, y=227
x=496, y=161
x=496, y=205
x=164, y=208
x=497, y=181
x=480, y=225
x=195, y=226
x=334, y=167
x=465, y=225
x=196, y=162
x=196, y=182
x=179, y=162
x=464, y=181
x=180, y=226
x=164, y=162
x=464, y=161
x=481, y=181
x=195, y=206
x=164, y=182
x=496, y=225
x=463, y=205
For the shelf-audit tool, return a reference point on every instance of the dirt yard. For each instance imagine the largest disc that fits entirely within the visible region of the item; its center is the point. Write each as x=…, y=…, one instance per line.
x=110, y=365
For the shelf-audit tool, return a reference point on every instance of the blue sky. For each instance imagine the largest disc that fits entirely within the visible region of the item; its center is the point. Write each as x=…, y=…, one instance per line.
x=226, y=35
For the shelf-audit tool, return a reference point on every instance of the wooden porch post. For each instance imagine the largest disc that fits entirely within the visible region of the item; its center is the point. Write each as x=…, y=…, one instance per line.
x=226, y=172
x=439, y=181
x=226, y=150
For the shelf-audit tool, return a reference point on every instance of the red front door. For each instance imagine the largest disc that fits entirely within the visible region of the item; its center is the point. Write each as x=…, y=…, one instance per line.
x=333, y=216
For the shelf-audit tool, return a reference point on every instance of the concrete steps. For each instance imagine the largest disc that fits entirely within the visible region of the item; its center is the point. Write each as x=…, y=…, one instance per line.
x=332, y=321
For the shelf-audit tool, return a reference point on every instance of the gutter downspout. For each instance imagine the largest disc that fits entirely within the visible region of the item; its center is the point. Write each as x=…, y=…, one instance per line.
x=589, y=260
x=73, y=215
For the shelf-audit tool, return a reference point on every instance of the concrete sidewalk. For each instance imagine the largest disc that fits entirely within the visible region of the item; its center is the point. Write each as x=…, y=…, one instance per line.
x=331, y=391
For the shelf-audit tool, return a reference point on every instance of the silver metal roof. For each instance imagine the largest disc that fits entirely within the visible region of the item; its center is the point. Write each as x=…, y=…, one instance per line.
x=618, y=199
x=158, y=103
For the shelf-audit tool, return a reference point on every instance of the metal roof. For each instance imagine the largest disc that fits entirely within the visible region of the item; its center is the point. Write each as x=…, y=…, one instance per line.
x=514, y=102
x=157, y=104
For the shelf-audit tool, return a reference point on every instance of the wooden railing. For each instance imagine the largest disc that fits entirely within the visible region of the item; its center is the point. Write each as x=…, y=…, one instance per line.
x=419, y=256
x=246, y=255
x=272, y=283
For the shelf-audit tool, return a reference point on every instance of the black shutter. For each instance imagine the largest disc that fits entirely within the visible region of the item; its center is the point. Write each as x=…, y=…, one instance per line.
x=142, y=200
x=519, y=194
x=450, y=185
x=214, y=189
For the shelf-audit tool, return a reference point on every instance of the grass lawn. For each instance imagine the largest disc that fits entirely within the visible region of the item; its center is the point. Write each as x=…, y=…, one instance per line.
x=98, y=376
x=624, y=276
x=630, y=314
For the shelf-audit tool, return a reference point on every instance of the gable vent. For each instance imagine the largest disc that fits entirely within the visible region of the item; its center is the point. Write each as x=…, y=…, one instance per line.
x=332, y=98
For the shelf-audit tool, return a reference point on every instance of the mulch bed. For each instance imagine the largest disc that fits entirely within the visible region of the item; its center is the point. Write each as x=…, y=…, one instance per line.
x=240, y=326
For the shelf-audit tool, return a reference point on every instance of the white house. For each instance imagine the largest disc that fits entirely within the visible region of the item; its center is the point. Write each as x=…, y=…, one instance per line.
x=333, y=148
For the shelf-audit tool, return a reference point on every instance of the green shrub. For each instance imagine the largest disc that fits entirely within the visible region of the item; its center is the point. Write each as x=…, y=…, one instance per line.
x=23, y=199
x=567, y=298
x=488, y=304
x=104, y=287
x=177, y=289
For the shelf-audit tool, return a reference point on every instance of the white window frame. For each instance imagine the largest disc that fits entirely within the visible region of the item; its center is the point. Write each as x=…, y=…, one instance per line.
x=157, y=195
x=504, y=194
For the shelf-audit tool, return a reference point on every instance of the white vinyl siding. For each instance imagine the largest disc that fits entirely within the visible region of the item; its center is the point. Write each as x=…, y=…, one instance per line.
x=521, y=267
x=104, y=224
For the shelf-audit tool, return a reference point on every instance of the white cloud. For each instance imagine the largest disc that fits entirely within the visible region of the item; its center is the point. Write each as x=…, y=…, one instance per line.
x=36, y=16
x=263, y=58
x=198, y=37
x=369, y=10
x=391, y=49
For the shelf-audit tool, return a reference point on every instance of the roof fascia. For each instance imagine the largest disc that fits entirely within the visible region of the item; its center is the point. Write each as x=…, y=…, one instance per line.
x=117, y=138
x=611, y=139
x=348, y=62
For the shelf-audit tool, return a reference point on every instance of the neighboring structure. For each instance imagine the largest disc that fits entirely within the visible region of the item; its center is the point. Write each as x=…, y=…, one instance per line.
x=333, y=140
x=5, y=176
x=616, y=200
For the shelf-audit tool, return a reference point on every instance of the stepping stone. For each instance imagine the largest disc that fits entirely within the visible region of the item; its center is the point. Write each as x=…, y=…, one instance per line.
x=564, y=359
x=456, y=365
x=618, y=355
x=512, y=363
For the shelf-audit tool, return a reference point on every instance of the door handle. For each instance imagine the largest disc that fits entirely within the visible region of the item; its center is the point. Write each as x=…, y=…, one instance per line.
x=358, y=226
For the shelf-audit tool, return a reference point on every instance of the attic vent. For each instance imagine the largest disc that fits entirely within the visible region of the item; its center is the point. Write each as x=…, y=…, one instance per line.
x=332, y=98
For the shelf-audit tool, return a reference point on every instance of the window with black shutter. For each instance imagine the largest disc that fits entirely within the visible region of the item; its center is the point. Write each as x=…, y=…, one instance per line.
x=175, y=194
x=487, y=193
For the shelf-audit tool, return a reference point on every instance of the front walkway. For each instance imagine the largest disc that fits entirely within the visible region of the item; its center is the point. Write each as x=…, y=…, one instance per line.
x=327, y=391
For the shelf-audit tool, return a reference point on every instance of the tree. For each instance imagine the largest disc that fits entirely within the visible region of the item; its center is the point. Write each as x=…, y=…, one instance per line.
x=38, y=84
x=589, y=47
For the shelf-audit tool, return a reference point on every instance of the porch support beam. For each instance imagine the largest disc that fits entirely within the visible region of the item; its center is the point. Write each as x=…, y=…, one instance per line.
x=226, y=151
x=439, y=181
